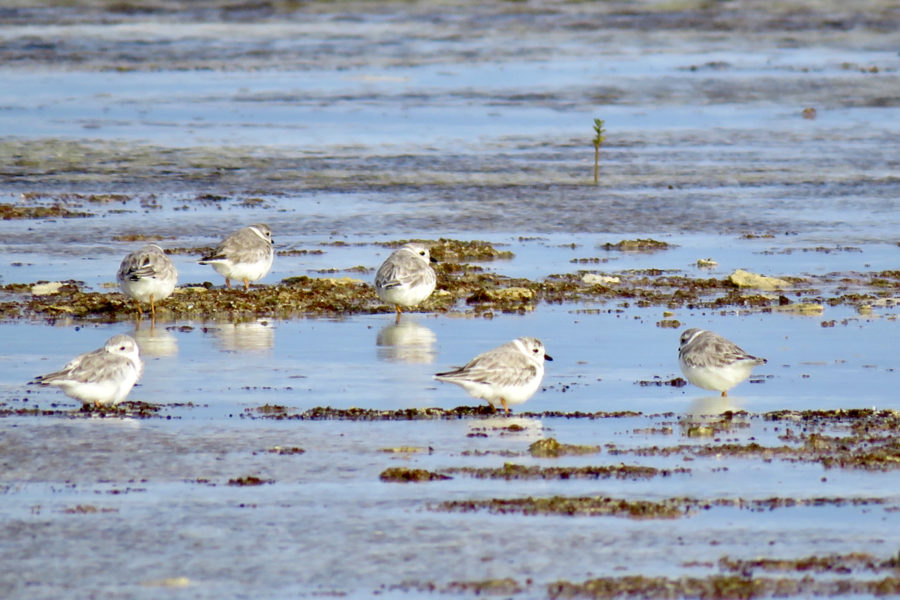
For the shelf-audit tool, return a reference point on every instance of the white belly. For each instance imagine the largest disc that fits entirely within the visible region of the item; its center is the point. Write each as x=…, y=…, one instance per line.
x=100, y=392
x=142, y=289
x=405, y=295
x=251, y=271
x=492, y=394
x=719, y=379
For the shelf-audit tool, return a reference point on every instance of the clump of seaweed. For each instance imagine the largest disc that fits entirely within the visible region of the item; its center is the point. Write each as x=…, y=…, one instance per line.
x=667, y=508
x=551, y=448
x=405, y=475
x=9, y=212
x=638, y=245
x=720, y=586
x=510, y=471
x=249, y=480
x=444, y=249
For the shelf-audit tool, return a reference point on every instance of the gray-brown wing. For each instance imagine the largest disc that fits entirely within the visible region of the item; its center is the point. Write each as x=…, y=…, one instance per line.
x=712, y=350
x=146, y=264
x=243, y=245
x=98, y=365
x=403, y=269
x=504, y=366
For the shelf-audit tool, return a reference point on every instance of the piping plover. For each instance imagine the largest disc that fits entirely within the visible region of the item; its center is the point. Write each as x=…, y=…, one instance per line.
x=147, y=275
x=507, y=375
x=245, y=255
x=406, y=278
x=103, y=377
x=711, y=362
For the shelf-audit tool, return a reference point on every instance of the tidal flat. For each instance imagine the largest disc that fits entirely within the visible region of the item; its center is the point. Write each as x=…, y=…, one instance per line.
x=290, y=442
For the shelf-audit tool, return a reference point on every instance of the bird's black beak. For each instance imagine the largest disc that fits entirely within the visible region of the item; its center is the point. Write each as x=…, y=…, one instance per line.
x=548, y=357
x=433, y=259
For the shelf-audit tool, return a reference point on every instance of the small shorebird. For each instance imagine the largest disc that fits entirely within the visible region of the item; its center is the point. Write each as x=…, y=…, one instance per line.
x=245, y=255
x=712, y=362
x=147, y=275
x=103, y=377
x=507, y=375
x=406, y=278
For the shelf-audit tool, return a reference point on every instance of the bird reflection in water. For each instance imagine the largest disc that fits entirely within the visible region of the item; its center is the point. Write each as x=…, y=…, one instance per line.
x=712, y=406
x=243, y=337
x=520, y=428
x=407, y=342
x=155, y=341
x=712, y=416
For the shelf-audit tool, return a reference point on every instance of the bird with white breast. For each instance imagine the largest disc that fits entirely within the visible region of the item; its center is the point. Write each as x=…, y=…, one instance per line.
x=406, y=278
x=712, y=362
x=504, y=376
x=103, y=377
x=147, y=275
x=245, y=255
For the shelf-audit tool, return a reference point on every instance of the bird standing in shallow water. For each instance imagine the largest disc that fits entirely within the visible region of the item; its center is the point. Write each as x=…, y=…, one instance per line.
x=712, y=362
x=102, y=377
x=245, y=255
x=147, y=275
x=406, y=278
x=507, y=375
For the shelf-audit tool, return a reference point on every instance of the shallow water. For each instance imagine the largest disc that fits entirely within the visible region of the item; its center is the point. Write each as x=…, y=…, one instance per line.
x=363, y=125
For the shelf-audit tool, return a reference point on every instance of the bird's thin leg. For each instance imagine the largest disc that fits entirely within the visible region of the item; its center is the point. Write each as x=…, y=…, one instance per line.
x=152, y=312
x=140, y=312
x=246, y=285
x=505, y=405
x=227, y=283
x=725, y=393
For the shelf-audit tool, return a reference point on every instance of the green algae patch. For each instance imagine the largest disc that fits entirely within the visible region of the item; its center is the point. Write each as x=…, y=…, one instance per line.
x=406, y=450
x=325, y=413
x=551, y=448
x=405, y=475
x=488, y=587
x=131, y=409
x=9, y=212
x=286, y=450
x=638, y=245
x=88, y=509
x=463, y=288
x=272, y=409
x=863, y=439
x=720, y=586
x=668, y=508
x=444, y=249
x=249, y=480
x=832, y=563
x=511, y=471
x=593, y=506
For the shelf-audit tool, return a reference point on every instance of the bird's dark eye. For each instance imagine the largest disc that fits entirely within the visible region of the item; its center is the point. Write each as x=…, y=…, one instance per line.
x=121, y=347
x=422, y=253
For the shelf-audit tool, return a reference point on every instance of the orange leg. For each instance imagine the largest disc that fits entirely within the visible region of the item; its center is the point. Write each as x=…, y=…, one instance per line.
x=227, y=283
x=725, y=393
x=505, y=405
x=246, y=285
x=152, y=311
